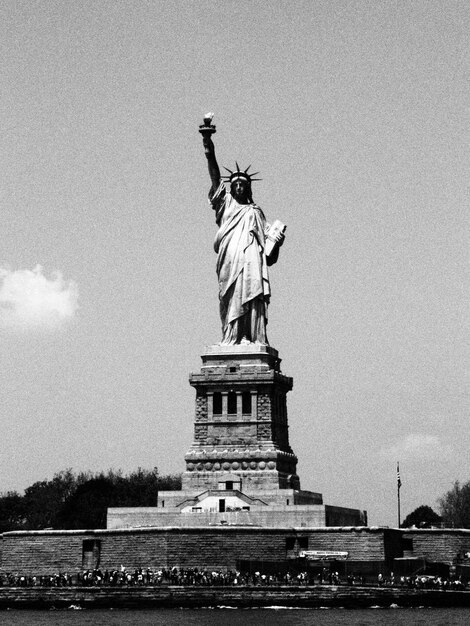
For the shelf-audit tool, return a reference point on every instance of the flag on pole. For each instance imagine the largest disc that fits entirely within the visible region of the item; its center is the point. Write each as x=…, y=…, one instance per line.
x=398, y=476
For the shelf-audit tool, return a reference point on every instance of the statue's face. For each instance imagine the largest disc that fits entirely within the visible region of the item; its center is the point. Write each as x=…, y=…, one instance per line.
x=239, y=190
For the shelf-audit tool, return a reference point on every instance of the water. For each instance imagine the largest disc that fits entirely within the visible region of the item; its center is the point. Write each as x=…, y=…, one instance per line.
x=240, y=617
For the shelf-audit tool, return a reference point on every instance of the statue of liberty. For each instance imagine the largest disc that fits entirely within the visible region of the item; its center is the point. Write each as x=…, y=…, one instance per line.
x=245, y=245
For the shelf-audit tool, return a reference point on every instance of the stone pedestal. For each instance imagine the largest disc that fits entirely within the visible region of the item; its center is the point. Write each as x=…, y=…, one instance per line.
x=240, y=432
x=240, y=468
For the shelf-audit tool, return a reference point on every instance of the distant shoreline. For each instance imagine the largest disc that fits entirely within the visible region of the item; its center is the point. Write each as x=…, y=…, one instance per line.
x=172, y=596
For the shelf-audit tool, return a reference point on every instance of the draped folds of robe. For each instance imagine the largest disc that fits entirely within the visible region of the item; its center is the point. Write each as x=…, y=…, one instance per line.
x=241, y=268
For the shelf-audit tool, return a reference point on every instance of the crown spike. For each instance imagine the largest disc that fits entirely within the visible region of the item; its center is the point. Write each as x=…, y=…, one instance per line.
x=239, y=173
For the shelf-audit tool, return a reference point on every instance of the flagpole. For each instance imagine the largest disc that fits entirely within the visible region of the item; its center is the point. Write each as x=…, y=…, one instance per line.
x=398, y=492
x=155, y=469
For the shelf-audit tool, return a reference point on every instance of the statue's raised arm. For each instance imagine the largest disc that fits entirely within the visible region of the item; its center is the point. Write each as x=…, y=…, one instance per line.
x=207, y=130
x=245, y=246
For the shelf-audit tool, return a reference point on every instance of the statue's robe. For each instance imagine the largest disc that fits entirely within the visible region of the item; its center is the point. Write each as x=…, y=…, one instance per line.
x=241, y=268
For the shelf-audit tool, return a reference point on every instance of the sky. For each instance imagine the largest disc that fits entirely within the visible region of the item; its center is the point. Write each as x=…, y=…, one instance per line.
x=355, y=113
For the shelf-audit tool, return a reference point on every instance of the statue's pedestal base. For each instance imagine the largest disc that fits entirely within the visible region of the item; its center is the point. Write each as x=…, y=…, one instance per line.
x=240, y=468
x=240, y=430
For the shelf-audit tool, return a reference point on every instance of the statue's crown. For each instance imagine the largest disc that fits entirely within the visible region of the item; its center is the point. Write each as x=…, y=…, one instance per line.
x=239, y=174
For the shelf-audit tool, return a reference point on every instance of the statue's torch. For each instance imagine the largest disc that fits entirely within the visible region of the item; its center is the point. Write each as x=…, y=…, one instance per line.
x=208, y=128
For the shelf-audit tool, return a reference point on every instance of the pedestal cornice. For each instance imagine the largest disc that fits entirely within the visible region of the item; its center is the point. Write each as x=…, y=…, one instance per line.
x=248, y=354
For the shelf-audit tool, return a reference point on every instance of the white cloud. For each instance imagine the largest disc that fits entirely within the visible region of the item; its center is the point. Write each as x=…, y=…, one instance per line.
x=30, y=300
x=418, y=446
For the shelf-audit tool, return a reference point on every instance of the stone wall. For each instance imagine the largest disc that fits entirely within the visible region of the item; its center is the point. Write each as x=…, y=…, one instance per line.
x=220, y=547
x=362, y=544
x=298, y=515
x=340, y=516
x=192, y=597
x=42, y=552
x=443, y=545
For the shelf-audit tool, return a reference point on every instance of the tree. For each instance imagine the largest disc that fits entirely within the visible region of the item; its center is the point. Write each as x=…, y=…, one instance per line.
x=455, y=506
x=73, y=501
x=422, y=517
x=170, y=482
x=44, y=499
x=12, y=512
x=140, y=488
x=86, y=507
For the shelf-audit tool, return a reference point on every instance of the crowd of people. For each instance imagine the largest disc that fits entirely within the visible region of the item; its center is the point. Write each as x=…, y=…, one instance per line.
x=140, y=577
x=197, y=576
x=421, y=581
